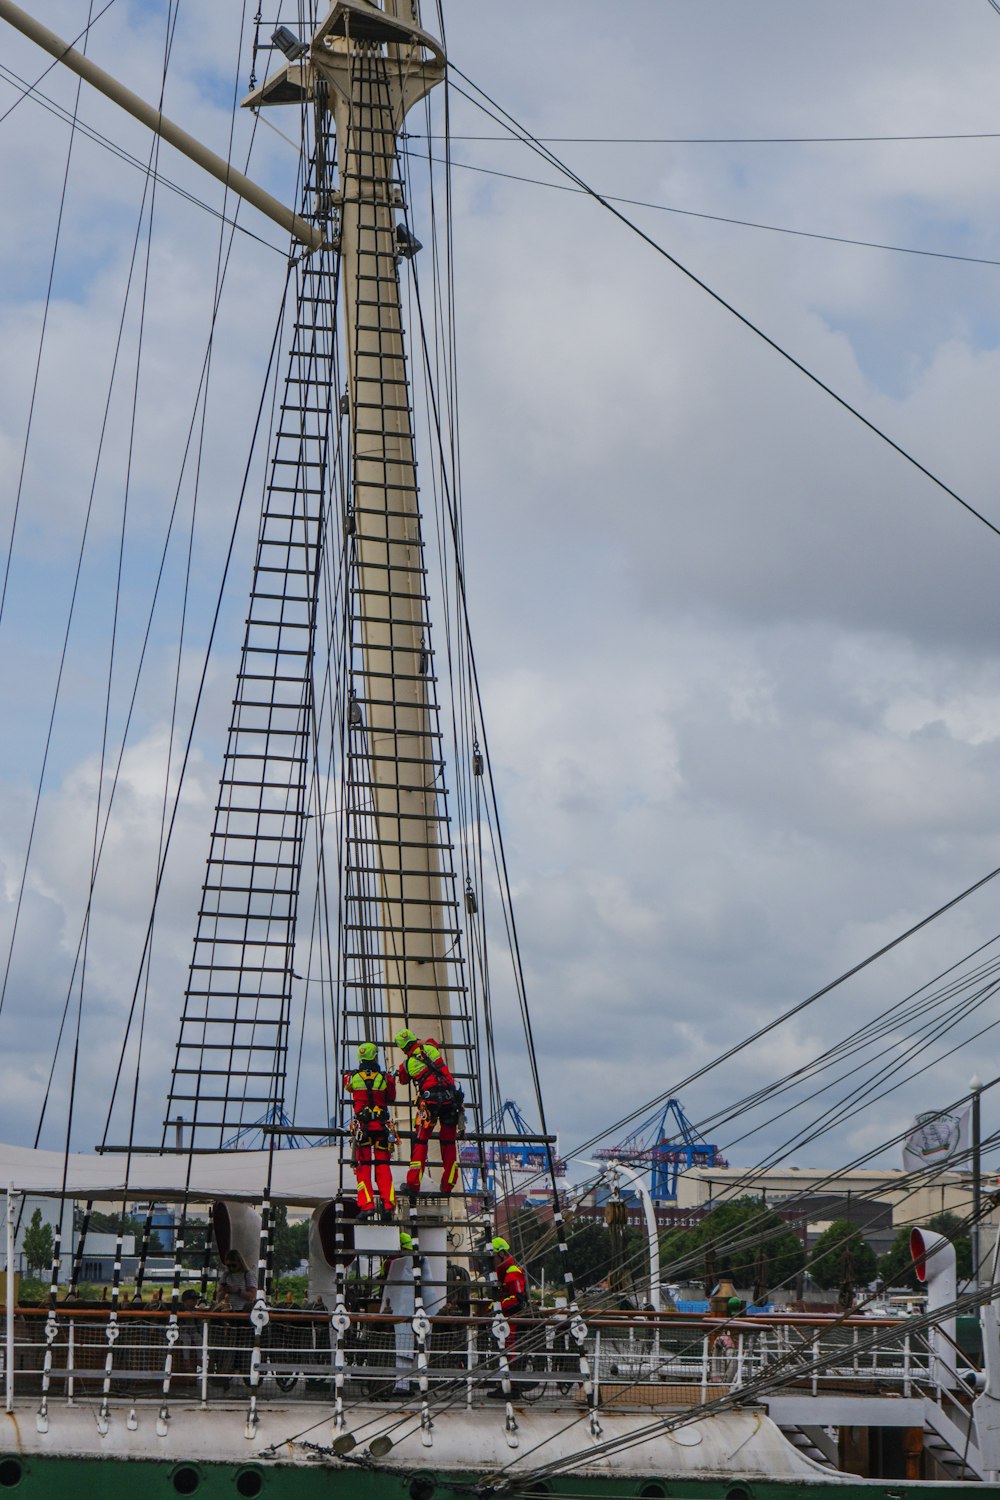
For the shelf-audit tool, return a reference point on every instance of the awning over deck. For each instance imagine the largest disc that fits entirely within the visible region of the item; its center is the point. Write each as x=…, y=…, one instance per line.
x=306, y=1177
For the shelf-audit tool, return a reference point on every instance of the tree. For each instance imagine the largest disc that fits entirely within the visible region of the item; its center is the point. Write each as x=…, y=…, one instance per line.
x=588, y=1246
x=637, y=1261
x=840, y=1255
x=954, y=1229
x=677, y=1247
x=37, y=1246
x=523, y=1229
x=743, y=1239
x=896, y=1266
x=590, y=1252
x=98, y=1223
x=290, y=1241
x=198, y=1238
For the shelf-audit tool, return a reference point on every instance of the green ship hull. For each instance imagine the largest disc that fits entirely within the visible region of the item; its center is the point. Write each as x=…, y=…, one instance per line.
x=62, y=1478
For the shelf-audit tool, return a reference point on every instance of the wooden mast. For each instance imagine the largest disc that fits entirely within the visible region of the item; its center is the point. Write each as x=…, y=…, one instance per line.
x=369, y=66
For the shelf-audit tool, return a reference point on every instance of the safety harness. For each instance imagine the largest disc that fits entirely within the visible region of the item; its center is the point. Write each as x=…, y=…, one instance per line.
x=513, y=1298
x=372, y=1123
x=443, y=1100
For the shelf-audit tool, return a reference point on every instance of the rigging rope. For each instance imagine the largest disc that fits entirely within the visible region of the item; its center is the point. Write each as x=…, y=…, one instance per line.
x=92, y=134
x=206, y=659
x=750, y=1182
x=714, y=140
x=677, y=1088
x=502, y=117
x=154, y=599
x=691, y=213
x=81, y=36
x=864, y=1036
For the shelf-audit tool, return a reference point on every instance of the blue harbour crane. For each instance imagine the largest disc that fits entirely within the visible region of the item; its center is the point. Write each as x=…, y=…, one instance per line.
x=510, y=1155
x=668, y=1144
x=246, y=1137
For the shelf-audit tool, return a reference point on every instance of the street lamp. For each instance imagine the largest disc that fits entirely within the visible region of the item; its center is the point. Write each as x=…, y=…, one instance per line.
x=976, y=1085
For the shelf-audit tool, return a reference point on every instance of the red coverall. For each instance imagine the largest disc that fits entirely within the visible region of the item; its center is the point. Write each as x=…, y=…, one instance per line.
x=513, y=1292
x=372, y=1090
x=417, y=1070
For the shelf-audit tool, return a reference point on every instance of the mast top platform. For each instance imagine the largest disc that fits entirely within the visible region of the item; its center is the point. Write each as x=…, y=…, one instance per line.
x=352, y=21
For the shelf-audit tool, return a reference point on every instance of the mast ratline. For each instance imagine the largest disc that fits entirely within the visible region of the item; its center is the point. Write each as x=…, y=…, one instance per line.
x=156, y=121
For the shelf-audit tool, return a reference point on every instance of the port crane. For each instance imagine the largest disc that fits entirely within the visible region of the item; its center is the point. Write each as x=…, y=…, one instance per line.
x=516, y=1150
x=667, y=1144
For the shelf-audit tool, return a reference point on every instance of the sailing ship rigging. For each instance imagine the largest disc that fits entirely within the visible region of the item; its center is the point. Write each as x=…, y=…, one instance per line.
x=354, y=878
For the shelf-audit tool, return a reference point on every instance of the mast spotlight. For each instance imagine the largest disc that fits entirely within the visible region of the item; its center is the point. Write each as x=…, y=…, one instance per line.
x=286, y=41
x=407, y=244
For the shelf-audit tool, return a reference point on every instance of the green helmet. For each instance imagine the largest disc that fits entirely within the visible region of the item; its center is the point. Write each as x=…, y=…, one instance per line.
x=404, y=1038
x=367, y=1052
x=500, y=1246
x=405, y=1240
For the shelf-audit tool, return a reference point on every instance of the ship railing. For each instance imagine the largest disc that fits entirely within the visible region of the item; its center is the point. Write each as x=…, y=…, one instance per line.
x=664, y=1362
x=636, y=1360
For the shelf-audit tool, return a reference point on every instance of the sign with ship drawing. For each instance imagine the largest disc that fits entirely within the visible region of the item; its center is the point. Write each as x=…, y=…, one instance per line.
x=937, y=1138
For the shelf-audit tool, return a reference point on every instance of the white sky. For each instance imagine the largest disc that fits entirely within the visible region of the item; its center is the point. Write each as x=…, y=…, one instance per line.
x=738, y=658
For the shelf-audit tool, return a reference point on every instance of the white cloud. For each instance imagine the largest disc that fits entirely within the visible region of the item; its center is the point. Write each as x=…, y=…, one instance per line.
x=737, y=657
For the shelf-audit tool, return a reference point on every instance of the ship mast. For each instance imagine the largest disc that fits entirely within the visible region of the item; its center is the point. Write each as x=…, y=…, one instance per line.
x=376, y=67
x=367, y=67
x=401, y=961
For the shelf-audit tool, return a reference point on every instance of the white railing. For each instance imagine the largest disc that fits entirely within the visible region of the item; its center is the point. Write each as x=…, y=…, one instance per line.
x=301, y=1356
x=808, y=1357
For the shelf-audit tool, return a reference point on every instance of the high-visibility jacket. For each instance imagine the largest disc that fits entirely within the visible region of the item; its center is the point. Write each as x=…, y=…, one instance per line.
x=425, y=1066
x=513, y=1285
x=372, y=1093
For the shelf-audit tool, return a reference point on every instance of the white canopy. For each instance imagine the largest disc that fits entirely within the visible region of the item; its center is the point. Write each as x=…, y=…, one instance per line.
x=307, y=1176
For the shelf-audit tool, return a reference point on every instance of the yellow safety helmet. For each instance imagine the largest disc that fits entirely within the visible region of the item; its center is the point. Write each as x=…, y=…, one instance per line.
x=500, y=1246
x=405, y=1240
x=404, y=1039
x=368, y=1052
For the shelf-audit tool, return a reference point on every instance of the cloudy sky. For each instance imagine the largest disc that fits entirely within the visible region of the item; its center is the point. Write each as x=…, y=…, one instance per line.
x=738, y=657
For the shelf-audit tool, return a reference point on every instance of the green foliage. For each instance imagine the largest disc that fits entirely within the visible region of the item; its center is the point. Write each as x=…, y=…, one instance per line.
x=637, y=1261
x=197, y=1235
x=678, y=1249
x=589, y=1248
x=840, y=1255
x=896, y=1266
x=743, y=1239
x=588, y=1245
x=588, y=1253
x=524, y=1231
x=290, y=1241
x=111, y=1223
x=32, y=1293
x=37, y=1247
x=297, y=1285
x=954, y=1229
